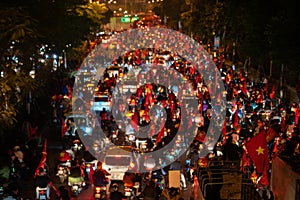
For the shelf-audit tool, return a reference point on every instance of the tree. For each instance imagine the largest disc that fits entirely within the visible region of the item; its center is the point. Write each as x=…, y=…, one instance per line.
x=25, y=26
x=282, y=36
x=172, y=10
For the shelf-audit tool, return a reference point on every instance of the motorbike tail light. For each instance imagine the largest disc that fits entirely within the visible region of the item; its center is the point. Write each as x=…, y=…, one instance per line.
x=42, y=192
x=98, y=189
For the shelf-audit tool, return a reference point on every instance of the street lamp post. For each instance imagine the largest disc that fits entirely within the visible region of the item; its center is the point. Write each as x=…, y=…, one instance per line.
x=65, y=59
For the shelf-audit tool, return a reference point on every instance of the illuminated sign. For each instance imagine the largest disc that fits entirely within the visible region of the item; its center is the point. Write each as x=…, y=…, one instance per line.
x=129, y=19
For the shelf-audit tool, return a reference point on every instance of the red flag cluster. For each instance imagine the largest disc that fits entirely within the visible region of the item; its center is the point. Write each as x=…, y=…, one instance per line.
x=43, y=159
x=258, y=151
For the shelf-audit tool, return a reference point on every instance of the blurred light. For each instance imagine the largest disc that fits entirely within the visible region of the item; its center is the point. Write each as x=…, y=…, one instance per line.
x=54, y=56
x=32, y=73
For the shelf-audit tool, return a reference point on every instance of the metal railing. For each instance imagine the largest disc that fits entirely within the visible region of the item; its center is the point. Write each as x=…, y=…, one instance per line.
x=213, y=176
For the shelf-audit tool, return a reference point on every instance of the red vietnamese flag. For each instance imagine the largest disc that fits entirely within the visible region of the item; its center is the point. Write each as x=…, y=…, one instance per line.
x=245, y=160
x=200, y=136
x=236, y=118
x=64, y=127
x=258, y=152
x=43, y=159
x=224, y=131
x=45, y=146
x=245, y=91
x=272, y=93
x=266, y=87
x=297, y=115
x=160, y=135
x=282, y=124
x=264, y=179
x=134, y=121
x=271, y=134
x=91, y=174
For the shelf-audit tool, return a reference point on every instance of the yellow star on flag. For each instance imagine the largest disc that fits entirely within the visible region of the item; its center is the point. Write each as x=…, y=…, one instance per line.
x=260, y=150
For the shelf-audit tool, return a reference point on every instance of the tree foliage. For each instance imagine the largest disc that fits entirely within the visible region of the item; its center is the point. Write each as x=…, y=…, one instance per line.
x=262, y=30
x=27, y=25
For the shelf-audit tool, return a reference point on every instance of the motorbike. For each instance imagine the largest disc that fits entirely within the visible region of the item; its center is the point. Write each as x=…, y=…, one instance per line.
x=131, y=192
x=77, y=146
x=130, y=139
x=77, y=187
x=76, y=183
x=114, y=136
x=1, y=191
x=100, y=192
x=89, y=165
x=62, y=173
x=42, y=194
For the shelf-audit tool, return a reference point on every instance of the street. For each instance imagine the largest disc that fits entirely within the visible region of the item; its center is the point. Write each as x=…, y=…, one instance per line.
x=54, y=146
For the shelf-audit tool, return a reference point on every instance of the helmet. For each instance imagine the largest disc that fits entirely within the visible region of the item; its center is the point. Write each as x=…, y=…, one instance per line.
x=99, y=163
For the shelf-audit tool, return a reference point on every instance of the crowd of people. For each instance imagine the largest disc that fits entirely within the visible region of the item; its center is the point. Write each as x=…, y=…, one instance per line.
x=252, y=110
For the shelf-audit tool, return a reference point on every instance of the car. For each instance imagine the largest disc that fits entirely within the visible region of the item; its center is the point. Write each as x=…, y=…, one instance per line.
x=118, y=160
x=105, y=38
x=114, y=71
x=101, y=100
x=80, y=120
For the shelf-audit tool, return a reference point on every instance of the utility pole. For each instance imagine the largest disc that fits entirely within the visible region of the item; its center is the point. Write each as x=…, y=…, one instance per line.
x=271, y=66
x=65, y=59
x=281, y=81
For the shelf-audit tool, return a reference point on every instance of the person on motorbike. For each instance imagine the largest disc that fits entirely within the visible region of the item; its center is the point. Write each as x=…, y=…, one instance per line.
x=76, y=174
x=150, y=192
x=129, y=179
x=42, y=181
x=71, y=128
x=99, y=177
x=172, y=194
x=65, y=158
x=116, y=194
x=14, y=194
x=63, y=193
